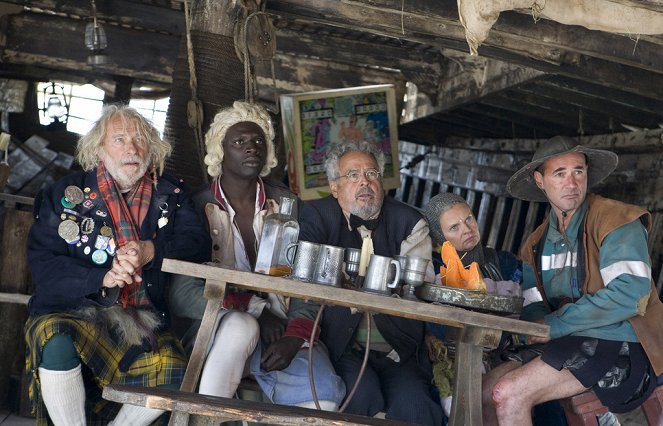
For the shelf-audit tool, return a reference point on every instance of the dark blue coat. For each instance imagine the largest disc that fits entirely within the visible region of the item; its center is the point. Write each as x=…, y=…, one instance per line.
x=65, y=277
x=322, y=221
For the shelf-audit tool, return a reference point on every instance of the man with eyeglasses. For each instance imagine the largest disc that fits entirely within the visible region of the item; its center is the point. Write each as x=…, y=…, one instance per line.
x=398, y=375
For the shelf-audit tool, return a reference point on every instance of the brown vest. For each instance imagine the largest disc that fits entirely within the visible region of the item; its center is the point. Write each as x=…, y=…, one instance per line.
x=604, y=216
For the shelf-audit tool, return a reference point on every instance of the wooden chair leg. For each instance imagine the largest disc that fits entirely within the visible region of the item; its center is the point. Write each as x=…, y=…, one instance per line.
x=576, y=419
x=582, y=409
x=653, y=408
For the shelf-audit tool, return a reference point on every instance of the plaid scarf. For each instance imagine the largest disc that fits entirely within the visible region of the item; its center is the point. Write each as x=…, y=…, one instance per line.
x=127, y=214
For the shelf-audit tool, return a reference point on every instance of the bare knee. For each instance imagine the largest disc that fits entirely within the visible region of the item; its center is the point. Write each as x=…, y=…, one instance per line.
x=503, y=392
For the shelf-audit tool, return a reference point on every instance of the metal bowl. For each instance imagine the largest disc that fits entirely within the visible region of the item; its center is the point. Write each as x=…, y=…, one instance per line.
x=470, y=299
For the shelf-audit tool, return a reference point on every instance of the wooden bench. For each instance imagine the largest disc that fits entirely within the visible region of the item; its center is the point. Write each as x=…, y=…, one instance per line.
x=229, y=409
x=583, y=409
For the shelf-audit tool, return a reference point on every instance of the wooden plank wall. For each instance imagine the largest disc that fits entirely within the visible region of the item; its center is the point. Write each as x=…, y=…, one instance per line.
x=16, y=213
x=503, y=221
x=479, y=169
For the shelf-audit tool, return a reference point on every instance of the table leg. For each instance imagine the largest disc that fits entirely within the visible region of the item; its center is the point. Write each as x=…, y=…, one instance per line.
x=466, y=405
x=214, y=295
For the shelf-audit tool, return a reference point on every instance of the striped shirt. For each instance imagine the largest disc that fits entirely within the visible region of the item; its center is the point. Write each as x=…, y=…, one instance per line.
x=625, y=270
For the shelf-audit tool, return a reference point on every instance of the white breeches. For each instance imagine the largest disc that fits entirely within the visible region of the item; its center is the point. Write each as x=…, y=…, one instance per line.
x=234, y=342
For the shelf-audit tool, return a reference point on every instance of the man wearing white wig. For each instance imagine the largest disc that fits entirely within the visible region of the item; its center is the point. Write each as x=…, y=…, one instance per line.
x=268, y=329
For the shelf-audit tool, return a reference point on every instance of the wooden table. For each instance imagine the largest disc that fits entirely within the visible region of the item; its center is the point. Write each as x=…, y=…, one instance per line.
x=477, y=330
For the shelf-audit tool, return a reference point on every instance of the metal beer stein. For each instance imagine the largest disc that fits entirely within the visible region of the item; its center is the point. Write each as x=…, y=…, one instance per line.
x=305, y=259
x=329, y=266
x=379, y=274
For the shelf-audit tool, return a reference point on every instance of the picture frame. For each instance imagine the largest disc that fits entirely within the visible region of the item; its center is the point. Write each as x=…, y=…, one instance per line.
x=315, y=121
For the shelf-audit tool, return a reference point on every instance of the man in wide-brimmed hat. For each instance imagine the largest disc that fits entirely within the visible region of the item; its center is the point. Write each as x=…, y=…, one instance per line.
x=587, y=274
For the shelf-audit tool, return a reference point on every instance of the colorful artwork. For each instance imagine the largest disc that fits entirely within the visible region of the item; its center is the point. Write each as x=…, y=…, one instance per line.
x=313, y=122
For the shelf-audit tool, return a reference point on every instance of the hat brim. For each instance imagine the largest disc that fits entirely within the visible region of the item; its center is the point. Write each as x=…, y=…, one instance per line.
x=600, y=164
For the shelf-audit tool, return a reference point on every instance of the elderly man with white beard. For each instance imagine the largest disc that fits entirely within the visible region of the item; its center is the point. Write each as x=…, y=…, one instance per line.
x=97, y=314
x=398, y=375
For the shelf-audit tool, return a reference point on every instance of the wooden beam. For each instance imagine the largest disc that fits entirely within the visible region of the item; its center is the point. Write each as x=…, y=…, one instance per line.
x=218, y=409
x=613, y=95
x=459, y=118
x=17, y=298
x=522, y=125
x=295, y=74
x=574, y=116
x=620, y=48
x=125, y=13
x=519, y=105
x=357, y=51
x=635, y=142
x=654, y=5
x=562, y=49
x=492, y=77
x=549, y=93
x=152, y=59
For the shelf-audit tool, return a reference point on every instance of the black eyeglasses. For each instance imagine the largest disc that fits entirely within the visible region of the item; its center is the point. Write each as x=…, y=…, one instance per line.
x=354, y=175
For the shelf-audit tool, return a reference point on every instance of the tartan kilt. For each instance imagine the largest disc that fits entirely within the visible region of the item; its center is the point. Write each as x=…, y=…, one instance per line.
x=105, y=360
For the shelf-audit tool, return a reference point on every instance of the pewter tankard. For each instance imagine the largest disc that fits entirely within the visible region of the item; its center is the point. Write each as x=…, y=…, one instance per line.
x=305, y=259
x=329, y=266
x=378, y=274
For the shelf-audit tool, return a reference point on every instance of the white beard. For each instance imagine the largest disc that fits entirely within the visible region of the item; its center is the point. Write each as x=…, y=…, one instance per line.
x=124, y=180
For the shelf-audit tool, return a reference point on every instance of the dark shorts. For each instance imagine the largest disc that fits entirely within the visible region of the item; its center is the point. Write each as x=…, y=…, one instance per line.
x=619, y=373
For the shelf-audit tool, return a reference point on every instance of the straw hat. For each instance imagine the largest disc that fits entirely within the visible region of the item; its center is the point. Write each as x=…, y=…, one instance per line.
x=599, y=161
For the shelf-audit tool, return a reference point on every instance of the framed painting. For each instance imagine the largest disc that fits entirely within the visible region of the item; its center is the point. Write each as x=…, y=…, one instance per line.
x=315, y=121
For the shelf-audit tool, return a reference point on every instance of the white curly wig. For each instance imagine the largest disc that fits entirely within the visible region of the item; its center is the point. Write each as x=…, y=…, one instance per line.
x=226, y=118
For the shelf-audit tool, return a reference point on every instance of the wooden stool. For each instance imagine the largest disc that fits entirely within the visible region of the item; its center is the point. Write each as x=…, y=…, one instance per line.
x=582, y=409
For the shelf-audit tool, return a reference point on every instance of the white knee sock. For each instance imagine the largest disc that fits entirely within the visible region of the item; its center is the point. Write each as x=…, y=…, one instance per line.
x=324, y=405
x=235, y=340
x=133, y=415
x=63, y=393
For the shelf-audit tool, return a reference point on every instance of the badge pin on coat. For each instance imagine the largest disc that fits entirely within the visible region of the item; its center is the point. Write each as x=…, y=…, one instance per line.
x=163, y=220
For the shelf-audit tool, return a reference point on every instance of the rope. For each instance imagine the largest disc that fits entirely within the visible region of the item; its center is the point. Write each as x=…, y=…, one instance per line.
x=311, y=379
x=361, y=370
x=194, y=108
x=242, y=48
x=363, y=365
x=537, y=10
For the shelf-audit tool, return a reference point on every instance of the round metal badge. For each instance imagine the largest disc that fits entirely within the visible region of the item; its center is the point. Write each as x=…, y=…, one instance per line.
x=68, y=230
x=74, y=194
x=99, y=257
x=106, y=231
x=66, y=203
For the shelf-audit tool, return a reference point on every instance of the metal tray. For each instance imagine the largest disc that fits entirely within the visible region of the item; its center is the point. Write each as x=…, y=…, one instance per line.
x=470, y=299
